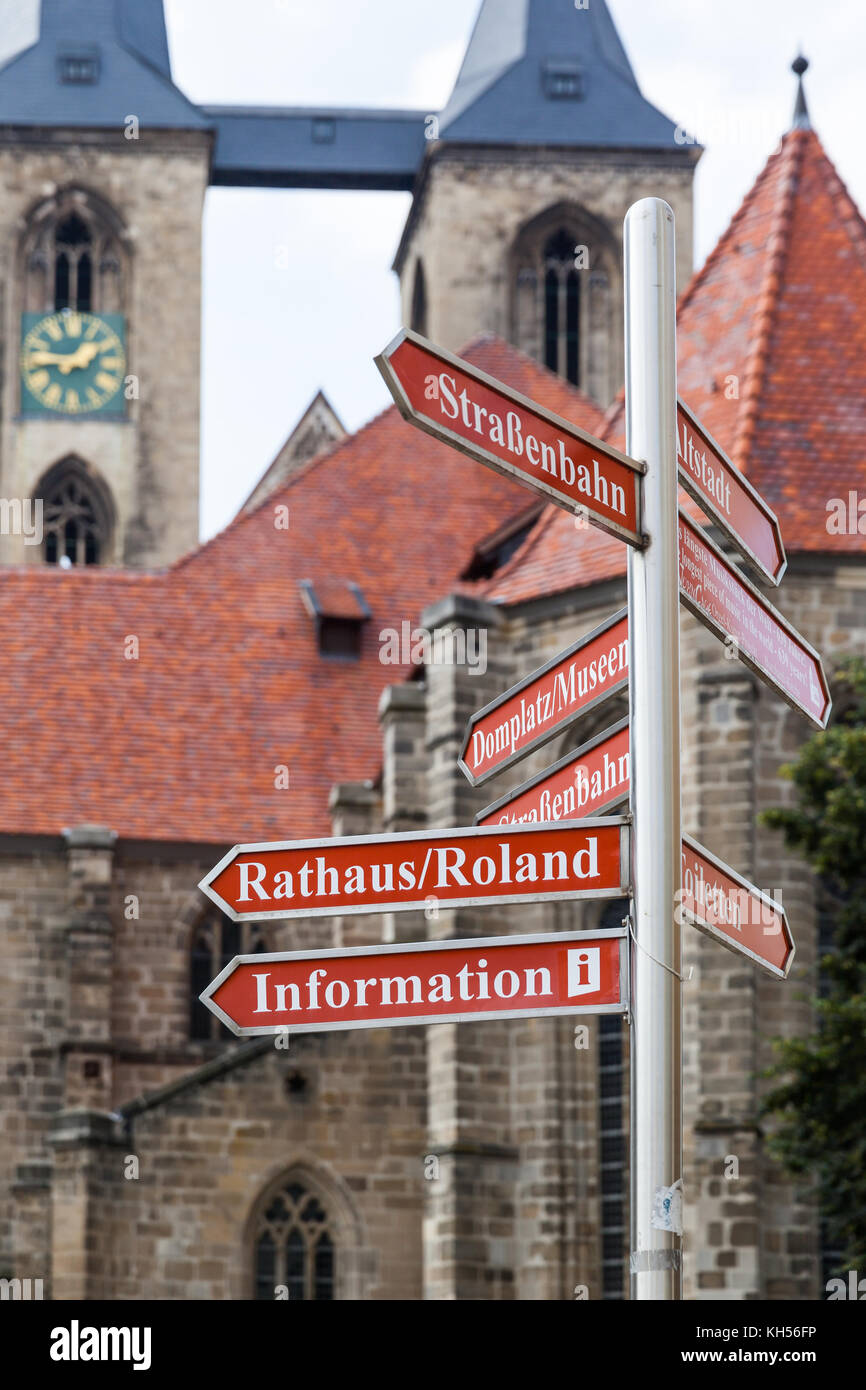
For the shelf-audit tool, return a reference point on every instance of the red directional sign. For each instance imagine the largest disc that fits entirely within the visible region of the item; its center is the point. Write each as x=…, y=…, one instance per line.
x=734, y=912
x=499, y=427
x=547, y=702
x=468, y=867
x=591, y=780
x=720, y=489
x=724, y=600
x=431, y=982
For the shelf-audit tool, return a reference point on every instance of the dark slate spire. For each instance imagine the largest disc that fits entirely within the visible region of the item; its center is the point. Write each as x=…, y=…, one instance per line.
x=95, y=63
x=546, y=72
x=801, y=111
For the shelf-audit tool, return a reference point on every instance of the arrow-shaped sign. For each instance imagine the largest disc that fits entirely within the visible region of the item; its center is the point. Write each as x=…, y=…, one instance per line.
x=730, y=606
x=428, y=982
x=496, y=426
x=734, y=912
x=728, y=497
x=468, y=867
x=548, y=702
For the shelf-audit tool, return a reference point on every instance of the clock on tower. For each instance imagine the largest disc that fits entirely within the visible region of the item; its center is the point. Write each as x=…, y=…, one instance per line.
x=72, y=364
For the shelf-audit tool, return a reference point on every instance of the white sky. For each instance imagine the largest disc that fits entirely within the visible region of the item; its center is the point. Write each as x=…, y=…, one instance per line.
x=272, y=337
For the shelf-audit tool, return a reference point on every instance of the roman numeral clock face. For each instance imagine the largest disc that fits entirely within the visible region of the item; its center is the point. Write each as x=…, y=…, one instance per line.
x=72, y=364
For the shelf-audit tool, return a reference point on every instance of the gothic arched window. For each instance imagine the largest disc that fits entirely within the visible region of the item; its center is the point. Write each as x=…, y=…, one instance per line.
x=562, y=274
x=74, y=256
x=562, y=307
x=215, y=941
x=77, y=515
x=294, y=1245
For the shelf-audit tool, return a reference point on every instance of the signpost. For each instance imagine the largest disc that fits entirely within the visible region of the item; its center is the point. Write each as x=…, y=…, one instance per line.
x=656, y=1135
x=548, y=702
x=734, y=912
x=588, y=782
x=547, y=840
x=428, y=982
x=728, y=497
x=494, y=425
x=399, y=873
x=729, y=605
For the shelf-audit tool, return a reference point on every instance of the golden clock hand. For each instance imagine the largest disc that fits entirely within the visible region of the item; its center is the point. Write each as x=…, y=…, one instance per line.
x=46, y=359
x=67, y=362
x=84, y=355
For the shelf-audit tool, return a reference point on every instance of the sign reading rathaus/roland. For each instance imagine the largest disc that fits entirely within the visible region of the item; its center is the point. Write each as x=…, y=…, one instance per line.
x=398, y=873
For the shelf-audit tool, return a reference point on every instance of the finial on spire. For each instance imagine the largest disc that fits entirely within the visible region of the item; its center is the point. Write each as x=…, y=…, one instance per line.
x=801, y=111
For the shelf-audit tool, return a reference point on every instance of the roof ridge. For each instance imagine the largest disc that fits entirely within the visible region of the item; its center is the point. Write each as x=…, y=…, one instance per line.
x=242, y=516
x=699, y=275
x=793, y=147
x=852, y=218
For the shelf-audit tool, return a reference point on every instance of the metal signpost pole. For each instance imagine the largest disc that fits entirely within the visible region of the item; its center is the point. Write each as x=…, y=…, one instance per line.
x=653, y=606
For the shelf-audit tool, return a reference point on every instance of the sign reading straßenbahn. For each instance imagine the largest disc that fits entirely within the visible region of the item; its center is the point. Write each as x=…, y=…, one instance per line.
x=482, y=417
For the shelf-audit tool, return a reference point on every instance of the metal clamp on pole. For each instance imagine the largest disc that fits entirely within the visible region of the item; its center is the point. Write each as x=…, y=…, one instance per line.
x=654, y=686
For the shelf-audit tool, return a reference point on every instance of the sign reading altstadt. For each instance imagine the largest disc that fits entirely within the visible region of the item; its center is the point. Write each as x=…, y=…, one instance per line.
x=430, y=982
x=396, y=873
x=480, y=416
x=546, y=703
x=728, y=497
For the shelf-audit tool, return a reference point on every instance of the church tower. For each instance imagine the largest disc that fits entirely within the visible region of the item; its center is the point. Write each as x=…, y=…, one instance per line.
x=516, y=219
x=103, y=170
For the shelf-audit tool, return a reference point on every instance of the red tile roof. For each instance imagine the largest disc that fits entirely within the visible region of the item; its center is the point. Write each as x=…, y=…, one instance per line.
x=771, y=357
x=182, y=739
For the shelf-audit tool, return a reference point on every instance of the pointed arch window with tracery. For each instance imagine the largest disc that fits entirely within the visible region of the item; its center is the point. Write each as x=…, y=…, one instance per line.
x=75, y=256
x=564, y=296
x=77, y=515
x=294, y=1246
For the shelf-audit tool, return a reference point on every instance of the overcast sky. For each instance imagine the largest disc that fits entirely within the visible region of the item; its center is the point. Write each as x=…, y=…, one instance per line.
x=273, y=336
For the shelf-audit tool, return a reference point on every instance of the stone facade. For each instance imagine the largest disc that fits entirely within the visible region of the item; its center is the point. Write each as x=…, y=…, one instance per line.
x=457, y=1162
x=149, y=461
x=473, y=212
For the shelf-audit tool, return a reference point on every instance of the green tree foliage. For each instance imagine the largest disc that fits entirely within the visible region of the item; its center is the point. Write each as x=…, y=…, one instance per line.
x=819, y=1103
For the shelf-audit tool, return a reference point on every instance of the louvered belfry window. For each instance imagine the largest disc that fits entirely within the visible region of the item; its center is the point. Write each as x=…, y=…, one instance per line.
x=562, y=307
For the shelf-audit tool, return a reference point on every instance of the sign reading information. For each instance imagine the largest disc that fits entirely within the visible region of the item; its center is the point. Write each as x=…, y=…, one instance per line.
x=430, y=982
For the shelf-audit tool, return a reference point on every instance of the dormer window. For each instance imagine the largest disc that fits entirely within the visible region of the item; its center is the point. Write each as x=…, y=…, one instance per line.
x=324, y=130
x=562, y=79
x=79, y=67
x=339, y=611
